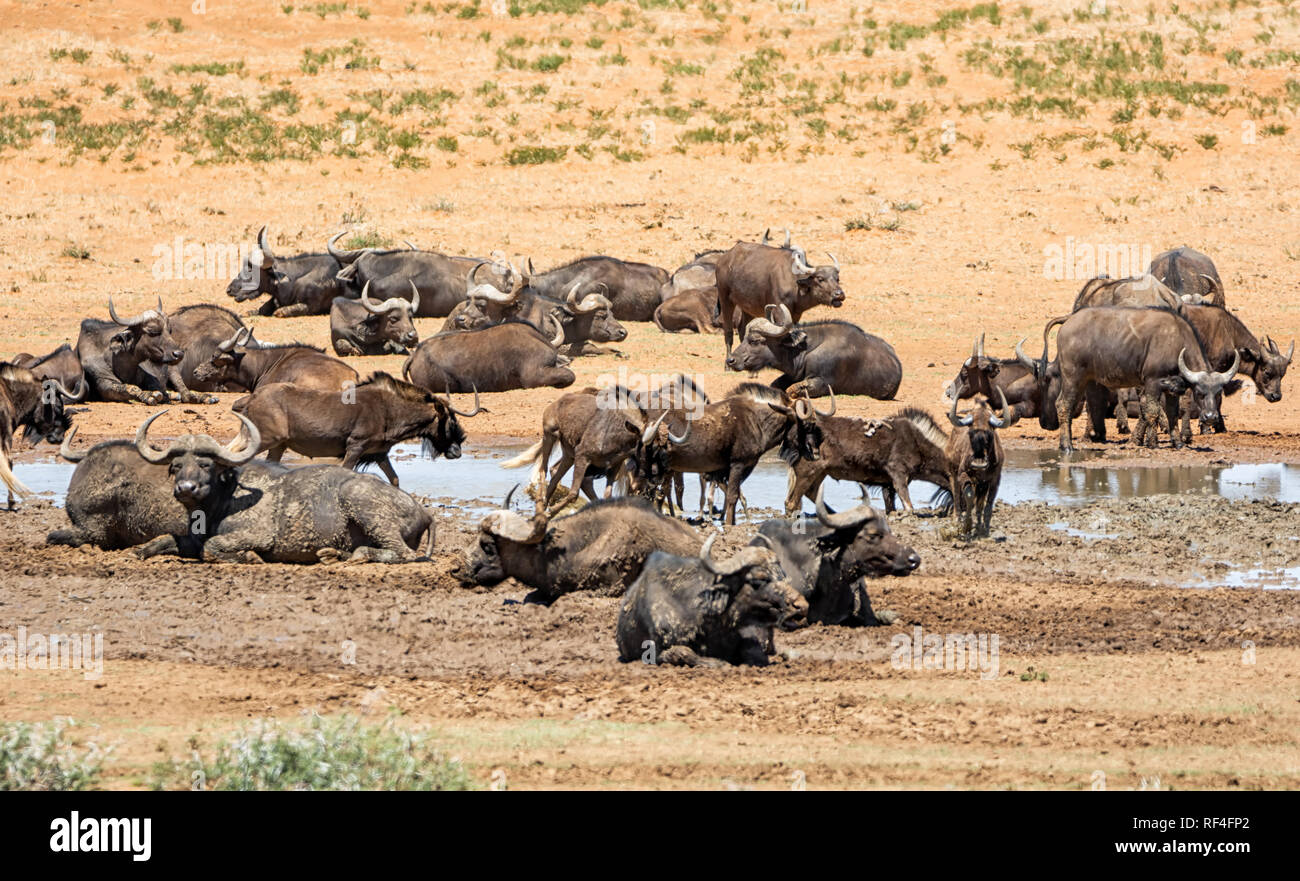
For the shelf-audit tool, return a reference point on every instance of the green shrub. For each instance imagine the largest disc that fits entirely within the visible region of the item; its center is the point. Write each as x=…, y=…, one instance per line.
x=40, y=758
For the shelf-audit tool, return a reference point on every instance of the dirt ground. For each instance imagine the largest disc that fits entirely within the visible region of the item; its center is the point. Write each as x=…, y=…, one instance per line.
x=1148, y=672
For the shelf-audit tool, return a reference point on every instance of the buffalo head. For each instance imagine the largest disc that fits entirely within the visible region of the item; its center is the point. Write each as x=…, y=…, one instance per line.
x=389, y=321
x=821, y=284
x=198, y=464
x=146, y=336
x=591, y=318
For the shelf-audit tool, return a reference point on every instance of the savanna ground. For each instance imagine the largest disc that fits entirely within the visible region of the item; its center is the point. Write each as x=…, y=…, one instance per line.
x=942, y=153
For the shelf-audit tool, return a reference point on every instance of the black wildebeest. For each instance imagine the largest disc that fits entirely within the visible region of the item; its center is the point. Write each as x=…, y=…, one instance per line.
x=632, y=288
x=819, y=355
x=1190, y=274
x=1118, y=347
x=513, y=355
x=974, y=453
x=888, y=453
x=698, y=611
x=118, y=500
x=695, y=310
x=602, y=547
x=1222, y=335
x=254, y=512
x=364, y=327
x=752, y=277
x=301, y=285
x=829, y=556
x=440, y=279
x=36, y=406
x=359, y=426
x=61, y=365
x=114, y=355
x=240, y=361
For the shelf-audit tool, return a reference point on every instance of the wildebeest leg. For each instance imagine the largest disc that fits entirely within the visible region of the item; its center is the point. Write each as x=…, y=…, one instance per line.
x=557, y=473
x=897, y=477
x=968, y=507
x=739, y=472
x=990, y=496
x=803, y=483
x=386, y=466
x=581, y=480
x=292, y=311
x=679, y=487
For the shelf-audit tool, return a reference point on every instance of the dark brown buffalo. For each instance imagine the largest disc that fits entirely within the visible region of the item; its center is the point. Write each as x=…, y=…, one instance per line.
x=632, y=288
x=441, y=279
x=485, y=304
x=888, y=453
x=1143, y=290
x=115, y=354
x=1190, y=274
x=817, y=356
x=301, y=285
x=975, y=460
x=597, y=431
x=1222, y=336
x=62, y=365
x=1120, y=347
x=513, y=355
x=364, y=327
x=36, y=406
x=198, y=332
x=695, y=310
x=241, y=362
x=359, y=426
x=752, y=277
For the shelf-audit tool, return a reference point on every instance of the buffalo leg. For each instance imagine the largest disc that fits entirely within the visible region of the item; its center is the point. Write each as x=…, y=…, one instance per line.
x=292, y=311
x=1151, y=400
x=1095, y=399
x=276, y=453
x=1176, y=413
x=1064, y=410
x=163, y=545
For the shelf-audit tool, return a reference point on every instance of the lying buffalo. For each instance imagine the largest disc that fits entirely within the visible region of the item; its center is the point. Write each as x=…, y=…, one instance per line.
x=440, y=279
x=114, y=355
x=695, y=310
x=301, y=285
x=198, y=332
x=62, y=365
x=698, y=611
x=829, y=556
x=1143, y=290
x=1125, y=347
x=1190, y=274
x=254, y=512
x=364, y=327
x=360, y=426
x=242, y=362
x=603, y=547
x=500, y=358
x=118, y=500
x=699, y=274
x=752, y=277
x=818, y=356
x=632, y=288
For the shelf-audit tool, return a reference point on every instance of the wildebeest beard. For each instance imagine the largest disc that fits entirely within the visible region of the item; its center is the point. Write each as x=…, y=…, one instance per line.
x=802, y=440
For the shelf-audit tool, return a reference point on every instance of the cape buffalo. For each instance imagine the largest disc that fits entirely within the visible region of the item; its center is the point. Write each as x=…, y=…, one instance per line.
x=829, y=556
x=633, y=288
x=602, y=547
x=114, y=355
x=1222, y=335
x=1143, y=290
x=364, y=327
x=700, y=273
x=302, y=285
x=819, y=355
x=698, y=611
x=1190, y=274
x=440, y=279
x=695, y=310
x=61, y=365
x=513, y=355
x=118, y=500
x=240, y=361
x=975, y=460
x=253, y=512
x=198, y=331
x=35, y=406
x=1123, y=347
x=752, y=277
x=359, y=426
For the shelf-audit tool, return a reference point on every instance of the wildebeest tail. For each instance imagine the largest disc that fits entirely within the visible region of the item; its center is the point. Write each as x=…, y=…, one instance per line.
x=1046, y=330
x=941, y=501
x=15, y=485
x=533, y=456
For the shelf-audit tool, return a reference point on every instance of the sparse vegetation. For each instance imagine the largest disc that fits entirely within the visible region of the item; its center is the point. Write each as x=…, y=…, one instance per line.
x=44, y=758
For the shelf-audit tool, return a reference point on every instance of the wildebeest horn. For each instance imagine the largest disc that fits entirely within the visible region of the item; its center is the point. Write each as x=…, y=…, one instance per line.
x=1231, y=371
x=844, y=520
x=65, y=448
x=342, y=256
x=653, y=428
x=676, y=439
x=960, y=422
x=264, y=243
x=1005, y=419
x=746, y=557
x=477, y=407
x=1194, y=377
x=200, y=444
x=53, y=385
x=834, y=259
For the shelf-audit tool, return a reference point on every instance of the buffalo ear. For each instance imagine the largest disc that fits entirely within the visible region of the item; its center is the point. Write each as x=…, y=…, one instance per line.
x=1247, y=356
x=1173, y=385
x=632, y=426
x=798, y=339
x=120, y=342
x=993, y=369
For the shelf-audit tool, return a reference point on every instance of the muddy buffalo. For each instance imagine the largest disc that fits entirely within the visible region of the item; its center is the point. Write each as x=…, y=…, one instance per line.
x=698, y=611
x=513, y=355
x=1224, y=335
x=301, y=285
x=115, y=354
x=364, y=327
x=829, y=556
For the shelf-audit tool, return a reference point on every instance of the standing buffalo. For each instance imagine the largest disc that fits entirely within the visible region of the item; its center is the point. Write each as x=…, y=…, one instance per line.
x=829, y=556
x=602, y=547
x=500, y=358
x=364, y=327
x=975, y=461
x=114, y=355
x=35, y=406
x=254, y=512
x=818, y=356
x=238, y=361
x=1190, y=274
x=118, y=500
x=752, y=277
x=632, y=288
x=359, y=426
x=1222, y=336
x=698, y=611
x=1123, y=347
x=440, y=280
x=302, y=285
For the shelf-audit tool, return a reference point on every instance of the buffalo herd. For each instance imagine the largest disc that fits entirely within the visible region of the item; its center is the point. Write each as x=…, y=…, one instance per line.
x=1160, y=347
